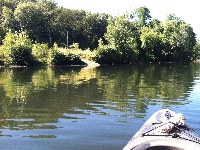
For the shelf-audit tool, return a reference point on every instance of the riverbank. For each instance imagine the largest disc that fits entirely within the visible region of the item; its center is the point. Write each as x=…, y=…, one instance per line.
x=90, y=63
x=85, y=55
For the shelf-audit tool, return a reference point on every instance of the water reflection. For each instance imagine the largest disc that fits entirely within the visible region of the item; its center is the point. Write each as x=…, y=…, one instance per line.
x=36, y=98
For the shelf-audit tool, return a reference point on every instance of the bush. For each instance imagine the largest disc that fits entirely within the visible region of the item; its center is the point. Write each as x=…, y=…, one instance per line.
x=70, y=59
x=21, y=56
x=128, y=56
x=58, y=58
x=40, y=52
x=17, y=49
x=62, y=59
x=107, y=55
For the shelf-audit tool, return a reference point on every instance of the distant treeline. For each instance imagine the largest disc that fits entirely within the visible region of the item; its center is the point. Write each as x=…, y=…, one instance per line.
x=45, y=22
x=132, y=37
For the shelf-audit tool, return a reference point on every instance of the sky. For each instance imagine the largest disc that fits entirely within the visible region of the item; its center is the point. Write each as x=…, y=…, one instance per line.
x=187, y=10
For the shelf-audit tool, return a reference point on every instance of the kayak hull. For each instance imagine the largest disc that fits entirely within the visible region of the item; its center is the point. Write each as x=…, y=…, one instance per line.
x=164, y=130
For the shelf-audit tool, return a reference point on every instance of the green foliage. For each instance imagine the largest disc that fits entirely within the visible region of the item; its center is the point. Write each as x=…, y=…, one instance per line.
x=110, y=55
x=21, y=56
x=45, y=22
x=142, y=40
x=40, y=52
x=93, y=29
x=179, y=40
x=172, y=40
x=134, y=37
x=196, y=51
x=123, y=36
x=152, y=44
x=37, y=18
x=70, y=59
x=17, y=49
x=9, y=22
x=107, y=55
x=141, y=16
x=57, y=58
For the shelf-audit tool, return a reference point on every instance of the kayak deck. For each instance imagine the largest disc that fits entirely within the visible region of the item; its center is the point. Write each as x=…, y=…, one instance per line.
x=165, y=129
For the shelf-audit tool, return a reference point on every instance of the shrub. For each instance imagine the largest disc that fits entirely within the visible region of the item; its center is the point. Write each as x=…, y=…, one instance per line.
x=17, y=49
x=128, y=56
x=70, y=59
x=40, y=52
x=21, y=56
x=107, y=55
x=58, y=58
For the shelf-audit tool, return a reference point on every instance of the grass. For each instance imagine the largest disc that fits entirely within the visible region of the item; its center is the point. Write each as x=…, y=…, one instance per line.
x=84, y=54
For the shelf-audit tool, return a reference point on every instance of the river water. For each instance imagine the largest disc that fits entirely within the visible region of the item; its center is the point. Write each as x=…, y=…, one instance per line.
x=89, y=108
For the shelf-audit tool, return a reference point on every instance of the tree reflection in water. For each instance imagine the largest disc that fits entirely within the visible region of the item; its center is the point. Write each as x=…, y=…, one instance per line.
x=47, y=94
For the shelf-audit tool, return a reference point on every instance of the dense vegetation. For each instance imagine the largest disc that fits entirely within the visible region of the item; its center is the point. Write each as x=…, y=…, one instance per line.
x=136, y=38
x=29, y=27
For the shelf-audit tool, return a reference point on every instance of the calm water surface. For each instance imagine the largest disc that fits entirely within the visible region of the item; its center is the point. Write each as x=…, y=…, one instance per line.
x=91, y=108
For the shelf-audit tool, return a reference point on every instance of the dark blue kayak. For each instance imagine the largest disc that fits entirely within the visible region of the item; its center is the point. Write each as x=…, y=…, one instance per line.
x=165, y=130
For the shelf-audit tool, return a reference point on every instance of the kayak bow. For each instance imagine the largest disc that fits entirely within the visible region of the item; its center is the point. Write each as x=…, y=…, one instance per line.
x=165, y=130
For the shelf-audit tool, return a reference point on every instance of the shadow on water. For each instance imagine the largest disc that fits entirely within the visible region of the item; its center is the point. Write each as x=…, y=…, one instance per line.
x=40, y=98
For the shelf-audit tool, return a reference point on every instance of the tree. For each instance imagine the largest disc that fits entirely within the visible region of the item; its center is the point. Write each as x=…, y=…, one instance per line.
x=122, y=35
x=179, y=40
x=141, y=16
x=9, y=22
x=17, y=49
x=94, y=27
x=49, y=10
x=30, y=19
x=45, y=22
x=12, y=4
x=37, y=19
x=82, y=27
x=152, y=44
